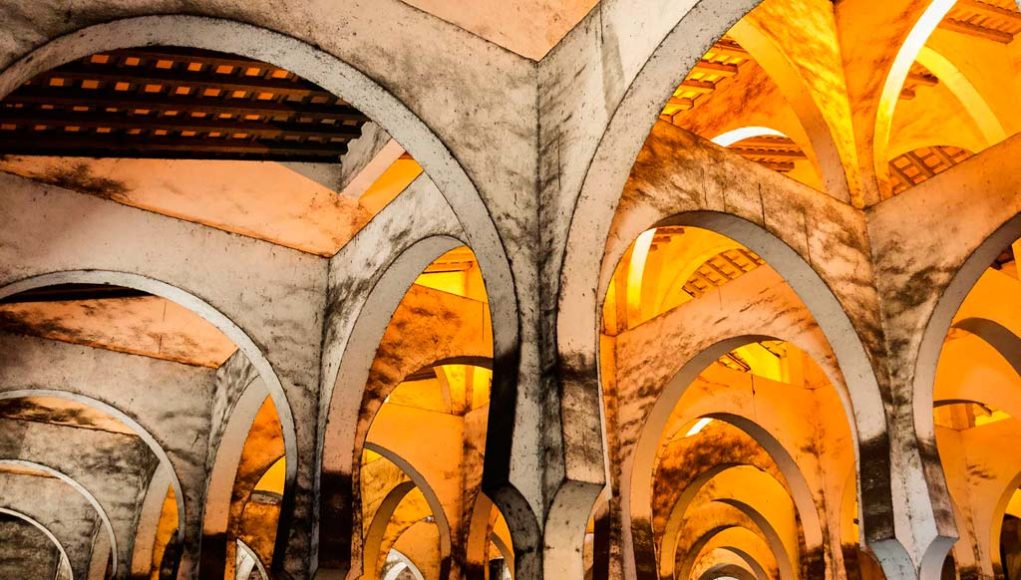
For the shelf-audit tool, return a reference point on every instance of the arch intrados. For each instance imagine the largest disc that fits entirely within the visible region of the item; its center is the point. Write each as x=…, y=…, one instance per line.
x=129, y=422
x=998, y=514
x=728, y=572
x=231, y=330
x=257, y=562
x=783, y=558
x=372, y=544
x=675, y=521
x=343, y=406
x=996, y=335
x=478, y=532
x=46, y=532
x=84, y=492
x=407, y=565
x=482, y=362
x=422, y=484
x=754, y=564
x=305, y=60
x=639, y=476
x=227, y=459
x=687, y=561
x=941, y=318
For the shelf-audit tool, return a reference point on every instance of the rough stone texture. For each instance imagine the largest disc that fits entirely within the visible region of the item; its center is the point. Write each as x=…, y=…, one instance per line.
x=232, y=378
x=179, y=424
x=535, y=189
x=25, y=551
x=115, y=468
x=275, y=295
x=61, y=510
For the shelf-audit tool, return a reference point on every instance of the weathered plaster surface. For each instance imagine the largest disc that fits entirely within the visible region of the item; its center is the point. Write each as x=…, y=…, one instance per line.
x=58, y=507
x=115, y=468
x=26, y=552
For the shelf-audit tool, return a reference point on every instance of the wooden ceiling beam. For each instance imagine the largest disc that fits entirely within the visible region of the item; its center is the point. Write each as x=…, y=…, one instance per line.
x=757, y=152
x=990, y=10
x=73, y=292
x=976, y=31
x=184, y=55
x=700, y=86
x=102, y=99
x=121, y=122
x=716, y=67
x=114, y=145
x=175, y=79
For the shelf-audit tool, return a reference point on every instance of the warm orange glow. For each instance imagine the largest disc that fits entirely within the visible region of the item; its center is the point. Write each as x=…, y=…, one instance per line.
x=455, y=272
x=273, y=479
x=393, y=181
x=636, y=273
x=906, y=55
x=763, y=363
x=165, y=531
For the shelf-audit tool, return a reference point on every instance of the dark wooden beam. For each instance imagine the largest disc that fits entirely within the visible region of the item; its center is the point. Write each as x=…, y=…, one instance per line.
x=181, y=55
x=976, y=31
x=103, y=99
x=52, y=118
x=175, y=78
x=143, y=146
x=73, y=292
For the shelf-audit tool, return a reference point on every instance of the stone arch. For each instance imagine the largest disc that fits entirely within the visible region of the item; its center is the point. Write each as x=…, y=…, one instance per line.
x=689, y=559
x=998, y=514
x=728, y=571
x=256, y=563
x=636, y=478
x=728, y=138
x=971, y=100
x=862, y=399
x=407, y=564
x=478, y=528
x=128, y=421
x=675, y=522
x=754, y=564
x=831, y=155
x=431, y=498
x=637, y=472
x=84, y=492
x=377, y=528
x=934, y=331
x=313, y=64
x=220, y=485
x=797, y=487
x=783, y=559
x=340, y=78
x=148, y=520
x=230, y=329
x=660, y=66
x=922, y=27
x=344, y=433
x=49, y=535
x=996, y=335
